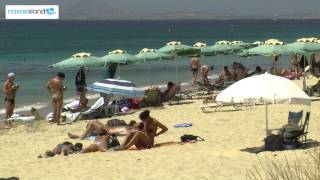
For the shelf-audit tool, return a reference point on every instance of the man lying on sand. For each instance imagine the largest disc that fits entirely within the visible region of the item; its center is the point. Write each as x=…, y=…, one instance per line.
x=97, y=127
x=145, y=138
x=65, y=148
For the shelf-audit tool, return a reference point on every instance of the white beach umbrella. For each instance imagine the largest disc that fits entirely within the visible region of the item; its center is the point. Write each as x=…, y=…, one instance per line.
x=266, y=89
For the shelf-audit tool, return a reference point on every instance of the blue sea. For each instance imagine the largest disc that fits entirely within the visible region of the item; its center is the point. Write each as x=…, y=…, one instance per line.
x=28, y=47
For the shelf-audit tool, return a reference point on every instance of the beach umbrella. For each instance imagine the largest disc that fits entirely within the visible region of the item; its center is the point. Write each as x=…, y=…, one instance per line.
x=205, y=50
x=271, y=47
x=117, y=87
x=303, y=46
x=266, y=89
x=120, y=57
x=312, y=47
x=222, y=47
x=179, y=49
x=240, y=45
x=152, y=55
x=80, y=60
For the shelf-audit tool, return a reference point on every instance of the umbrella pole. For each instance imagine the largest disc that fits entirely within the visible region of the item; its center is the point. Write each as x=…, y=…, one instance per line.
x=176, y=73
x=266, y=116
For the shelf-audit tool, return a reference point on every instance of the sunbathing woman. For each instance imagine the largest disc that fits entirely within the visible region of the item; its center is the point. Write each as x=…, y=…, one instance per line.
x=145, y=138
x=97, y=127
x=100, y=144
x=65, y=148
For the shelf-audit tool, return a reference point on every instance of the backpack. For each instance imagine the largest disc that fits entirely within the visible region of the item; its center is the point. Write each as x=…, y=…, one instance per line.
x=113, y=141
x=188, y=138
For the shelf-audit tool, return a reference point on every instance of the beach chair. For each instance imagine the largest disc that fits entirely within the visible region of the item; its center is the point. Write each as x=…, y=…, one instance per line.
x=216, y=105
x=294, y=120
x=292, y=134
x=173, y=96
x=211, y=103
x=96, y=110
x=152, y=97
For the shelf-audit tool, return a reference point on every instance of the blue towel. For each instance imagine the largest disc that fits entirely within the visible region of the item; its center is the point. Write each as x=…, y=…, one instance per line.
x=183, y=125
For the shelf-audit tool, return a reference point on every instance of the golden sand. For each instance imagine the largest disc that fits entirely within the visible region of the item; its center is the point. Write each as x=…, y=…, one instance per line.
x=225, y=154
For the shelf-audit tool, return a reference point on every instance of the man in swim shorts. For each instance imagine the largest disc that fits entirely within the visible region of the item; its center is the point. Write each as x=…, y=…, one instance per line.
x=9, y=89
x=55, y=87
x=195, y=65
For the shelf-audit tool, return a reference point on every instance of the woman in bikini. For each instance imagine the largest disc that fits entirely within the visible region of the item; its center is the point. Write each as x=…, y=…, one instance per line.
x=145, y=138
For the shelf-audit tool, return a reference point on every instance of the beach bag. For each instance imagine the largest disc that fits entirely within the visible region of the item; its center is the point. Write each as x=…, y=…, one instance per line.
x=116, y=123
x=188, y=138
x=274, y=143
x=113, y=141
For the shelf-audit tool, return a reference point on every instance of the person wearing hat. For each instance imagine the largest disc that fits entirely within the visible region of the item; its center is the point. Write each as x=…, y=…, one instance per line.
x=9, y=89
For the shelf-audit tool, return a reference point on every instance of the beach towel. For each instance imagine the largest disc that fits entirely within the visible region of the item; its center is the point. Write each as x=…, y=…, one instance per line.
x=182, y=125
x=95, y=106
x=17, y=117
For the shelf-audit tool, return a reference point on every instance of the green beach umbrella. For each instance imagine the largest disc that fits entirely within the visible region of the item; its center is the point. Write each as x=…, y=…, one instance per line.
x=271, y=47
x=152, y=55
x=240, y=45
x=120, y=57
x=205, y=50
x=80, y=60
x=178, y=49
x=222, y=47
x=310, y=45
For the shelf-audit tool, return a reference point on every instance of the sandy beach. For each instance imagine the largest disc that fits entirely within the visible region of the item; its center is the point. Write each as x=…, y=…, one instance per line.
x=227, y=152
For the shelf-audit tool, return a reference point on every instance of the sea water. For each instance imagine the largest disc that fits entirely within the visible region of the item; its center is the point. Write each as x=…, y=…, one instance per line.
x=28, y=47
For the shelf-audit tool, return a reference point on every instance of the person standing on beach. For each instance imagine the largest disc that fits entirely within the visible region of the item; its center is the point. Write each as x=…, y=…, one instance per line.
x=55, y=86
x=9, y=89
x=111, y=71
x=195, y=65
x=80, y=80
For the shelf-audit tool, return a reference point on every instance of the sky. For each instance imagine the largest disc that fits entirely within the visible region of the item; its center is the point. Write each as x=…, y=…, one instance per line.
x=233, y=7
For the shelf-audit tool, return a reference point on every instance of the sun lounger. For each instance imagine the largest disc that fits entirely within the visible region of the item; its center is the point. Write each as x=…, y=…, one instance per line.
x=218, y=106
x=292, y=134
